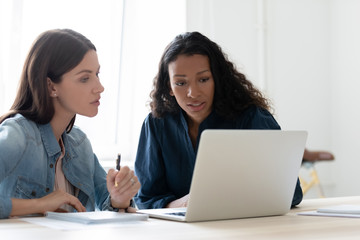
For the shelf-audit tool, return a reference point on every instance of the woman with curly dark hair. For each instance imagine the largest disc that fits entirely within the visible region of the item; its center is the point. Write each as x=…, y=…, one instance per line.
x=196, y=88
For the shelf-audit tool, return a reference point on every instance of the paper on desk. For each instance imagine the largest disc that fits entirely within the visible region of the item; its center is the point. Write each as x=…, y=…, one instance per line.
x=97, y=217
x=70, y=225
x=342, y=209
x=350, y=211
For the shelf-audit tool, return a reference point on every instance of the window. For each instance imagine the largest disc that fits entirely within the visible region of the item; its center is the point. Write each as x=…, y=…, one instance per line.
x=130, y=37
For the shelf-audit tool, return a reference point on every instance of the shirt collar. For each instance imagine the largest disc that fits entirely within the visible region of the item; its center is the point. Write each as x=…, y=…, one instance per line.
x=51, y=145
x=210, y=121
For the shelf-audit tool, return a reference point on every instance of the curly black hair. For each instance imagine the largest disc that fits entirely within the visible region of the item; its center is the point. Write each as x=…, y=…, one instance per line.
x=233, y=91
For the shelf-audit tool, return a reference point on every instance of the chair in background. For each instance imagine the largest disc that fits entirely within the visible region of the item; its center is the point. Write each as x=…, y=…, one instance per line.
x=309, y=160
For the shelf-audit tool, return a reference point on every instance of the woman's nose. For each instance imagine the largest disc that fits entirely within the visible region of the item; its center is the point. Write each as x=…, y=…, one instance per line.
x=99, y=87
x=193, y=91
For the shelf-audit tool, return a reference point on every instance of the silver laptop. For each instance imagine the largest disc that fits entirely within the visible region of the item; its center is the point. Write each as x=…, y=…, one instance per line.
x=241, y=174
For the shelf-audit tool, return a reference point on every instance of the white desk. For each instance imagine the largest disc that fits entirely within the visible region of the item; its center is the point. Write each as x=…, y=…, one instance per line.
x=289, y=226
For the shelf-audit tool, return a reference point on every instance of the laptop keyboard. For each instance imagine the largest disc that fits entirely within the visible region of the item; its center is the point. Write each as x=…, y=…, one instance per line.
x=177, y=213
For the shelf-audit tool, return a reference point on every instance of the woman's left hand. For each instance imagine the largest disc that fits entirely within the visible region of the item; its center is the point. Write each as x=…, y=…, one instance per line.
x=122, y=186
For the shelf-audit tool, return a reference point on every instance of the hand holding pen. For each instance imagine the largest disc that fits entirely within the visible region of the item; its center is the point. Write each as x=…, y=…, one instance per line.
x=122, y=185
x=118, y=160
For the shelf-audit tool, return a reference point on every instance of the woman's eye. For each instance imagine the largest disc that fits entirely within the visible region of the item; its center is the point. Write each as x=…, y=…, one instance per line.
x=179, y=83
x=204, y=79
x=85, y=79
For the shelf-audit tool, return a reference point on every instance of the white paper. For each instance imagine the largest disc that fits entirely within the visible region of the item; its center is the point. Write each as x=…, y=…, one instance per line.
x=70, y=225
x=342, y=209
x=97, y=217
x=348, y=211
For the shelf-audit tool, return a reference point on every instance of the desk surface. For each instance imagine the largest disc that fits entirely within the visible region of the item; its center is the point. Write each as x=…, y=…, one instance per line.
x=289, y=226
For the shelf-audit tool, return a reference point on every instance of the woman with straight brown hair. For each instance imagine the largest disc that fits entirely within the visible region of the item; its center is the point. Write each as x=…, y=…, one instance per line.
x=47, y=163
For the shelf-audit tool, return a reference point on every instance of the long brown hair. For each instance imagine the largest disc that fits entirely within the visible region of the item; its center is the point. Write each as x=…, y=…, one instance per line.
x=53, y=53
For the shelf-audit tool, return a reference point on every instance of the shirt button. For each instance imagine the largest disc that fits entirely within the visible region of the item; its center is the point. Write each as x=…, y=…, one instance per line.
x=47, y=189
x=51, y=165
x=33, y=193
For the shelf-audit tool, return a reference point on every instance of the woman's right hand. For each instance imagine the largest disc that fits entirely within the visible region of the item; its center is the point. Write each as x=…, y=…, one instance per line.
x=51, y=202
x=56, y=199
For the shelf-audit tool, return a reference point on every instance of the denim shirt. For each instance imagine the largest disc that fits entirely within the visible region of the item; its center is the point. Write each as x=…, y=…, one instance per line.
x=28, y=152
x=165, y=158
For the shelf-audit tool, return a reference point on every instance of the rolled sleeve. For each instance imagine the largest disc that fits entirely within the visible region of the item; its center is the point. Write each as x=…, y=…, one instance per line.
x=5, y=207
x=106, y=206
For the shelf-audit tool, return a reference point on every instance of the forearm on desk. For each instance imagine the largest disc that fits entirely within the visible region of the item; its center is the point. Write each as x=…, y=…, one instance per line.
x=17, y=207
x=25, y=206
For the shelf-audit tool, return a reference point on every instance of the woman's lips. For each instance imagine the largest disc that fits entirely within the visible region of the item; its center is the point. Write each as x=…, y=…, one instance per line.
x=196, y=106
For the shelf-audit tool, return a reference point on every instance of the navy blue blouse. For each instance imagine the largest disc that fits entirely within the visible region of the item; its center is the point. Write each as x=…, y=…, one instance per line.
x=165, y=158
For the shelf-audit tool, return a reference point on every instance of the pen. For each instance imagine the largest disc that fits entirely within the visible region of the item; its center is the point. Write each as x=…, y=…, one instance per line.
x=118, y=162
x=118, y=166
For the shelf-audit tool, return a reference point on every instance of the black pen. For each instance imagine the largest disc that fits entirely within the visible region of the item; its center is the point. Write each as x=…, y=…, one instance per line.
x=118, y=166
x=118, y=162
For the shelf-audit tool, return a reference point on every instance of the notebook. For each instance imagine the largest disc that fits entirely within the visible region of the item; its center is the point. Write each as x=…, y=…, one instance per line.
x=96, y=217
x=343, y=210
x=241, y=174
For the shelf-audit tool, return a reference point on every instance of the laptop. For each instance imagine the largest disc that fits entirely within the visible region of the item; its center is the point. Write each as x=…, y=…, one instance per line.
x=241, y=174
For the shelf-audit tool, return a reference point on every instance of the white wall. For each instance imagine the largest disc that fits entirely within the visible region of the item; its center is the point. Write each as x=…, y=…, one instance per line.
x=299, y=78
x=311, y=59
x=345, y=72
x=231, y=24
x=149, y=26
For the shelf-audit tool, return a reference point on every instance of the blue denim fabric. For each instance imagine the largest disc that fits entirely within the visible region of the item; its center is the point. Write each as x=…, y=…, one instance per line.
x=28, y=152
x=165, y=158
